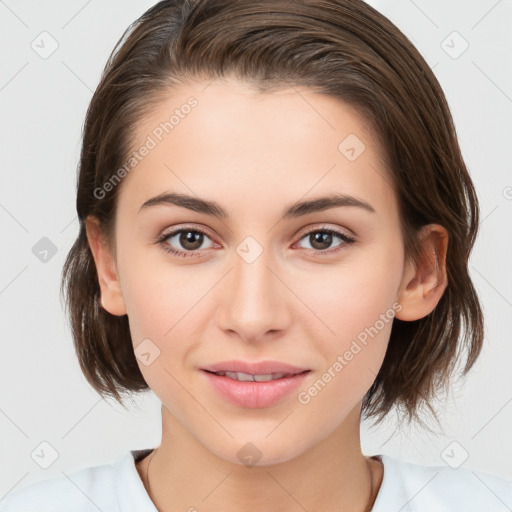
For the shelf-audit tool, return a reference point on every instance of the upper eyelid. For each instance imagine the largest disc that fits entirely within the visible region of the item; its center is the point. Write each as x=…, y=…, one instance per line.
x=341, y=231
x=175, y=231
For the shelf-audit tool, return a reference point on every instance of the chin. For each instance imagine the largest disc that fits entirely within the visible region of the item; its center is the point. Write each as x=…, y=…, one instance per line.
x=259, y=452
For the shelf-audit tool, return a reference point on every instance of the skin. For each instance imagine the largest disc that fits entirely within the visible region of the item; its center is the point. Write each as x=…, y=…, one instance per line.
x=255, y=154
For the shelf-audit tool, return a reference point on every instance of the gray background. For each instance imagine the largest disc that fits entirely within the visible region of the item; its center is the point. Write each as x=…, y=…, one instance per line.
x=43, y=99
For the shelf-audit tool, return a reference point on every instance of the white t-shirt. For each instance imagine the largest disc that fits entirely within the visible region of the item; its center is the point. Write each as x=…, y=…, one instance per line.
x=405, y=487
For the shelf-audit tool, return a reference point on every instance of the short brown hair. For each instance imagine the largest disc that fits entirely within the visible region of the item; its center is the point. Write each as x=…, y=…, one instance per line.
x=342, y=48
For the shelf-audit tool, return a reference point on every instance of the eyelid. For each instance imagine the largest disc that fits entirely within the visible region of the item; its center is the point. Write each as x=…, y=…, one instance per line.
x=325, y=227
x=184, y=227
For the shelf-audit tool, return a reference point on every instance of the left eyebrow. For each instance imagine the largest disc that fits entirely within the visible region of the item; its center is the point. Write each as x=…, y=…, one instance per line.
x=325, y=203
x=295, y=210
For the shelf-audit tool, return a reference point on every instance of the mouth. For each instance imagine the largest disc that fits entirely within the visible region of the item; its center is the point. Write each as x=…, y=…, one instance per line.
x=262, y=377
x=254, y=385
x=254, y=368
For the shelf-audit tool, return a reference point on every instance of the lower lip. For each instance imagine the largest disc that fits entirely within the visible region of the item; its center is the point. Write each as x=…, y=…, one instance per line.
x=255, y=395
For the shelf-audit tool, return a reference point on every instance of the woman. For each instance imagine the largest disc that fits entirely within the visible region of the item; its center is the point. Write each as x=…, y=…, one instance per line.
x=275, y=225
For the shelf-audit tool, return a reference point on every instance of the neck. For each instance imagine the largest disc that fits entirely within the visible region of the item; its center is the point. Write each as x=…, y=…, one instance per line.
x=331, y=476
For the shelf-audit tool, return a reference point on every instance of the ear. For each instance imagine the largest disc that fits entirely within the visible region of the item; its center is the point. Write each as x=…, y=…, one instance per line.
x=423, y=284
x=111, y=296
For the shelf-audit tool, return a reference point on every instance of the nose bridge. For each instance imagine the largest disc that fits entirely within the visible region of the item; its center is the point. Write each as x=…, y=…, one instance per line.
x=253, y=303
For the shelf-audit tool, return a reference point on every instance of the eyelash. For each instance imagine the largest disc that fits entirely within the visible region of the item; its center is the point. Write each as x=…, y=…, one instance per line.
x=161, y=240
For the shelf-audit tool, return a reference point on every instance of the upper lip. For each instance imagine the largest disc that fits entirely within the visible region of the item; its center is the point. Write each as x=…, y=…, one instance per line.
x=254, y=368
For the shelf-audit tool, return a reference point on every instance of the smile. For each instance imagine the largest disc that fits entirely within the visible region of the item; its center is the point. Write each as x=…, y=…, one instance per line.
x=247, y=377
x=255, y=391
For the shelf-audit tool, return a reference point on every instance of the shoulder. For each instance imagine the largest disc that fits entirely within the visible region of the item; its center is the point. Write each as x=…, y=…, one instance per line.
x=108, y=487
x=415, y=488
x=79, y=491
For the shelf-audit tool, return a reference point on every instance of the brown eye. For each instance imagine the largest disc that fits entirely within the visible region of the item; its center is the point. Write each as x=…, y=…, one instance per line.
x=184, y=241
x=191, y=240
x=322, y=240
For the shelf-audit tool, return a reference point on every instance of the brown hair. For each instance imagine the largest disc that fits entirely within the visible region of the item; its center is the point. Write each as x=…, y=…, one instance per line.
x=342, y=48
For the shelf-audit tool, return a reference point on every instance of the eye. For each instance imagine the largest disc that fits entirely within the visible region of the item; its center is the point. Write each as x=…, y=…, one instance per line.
x=321, y=239
x=190, y=239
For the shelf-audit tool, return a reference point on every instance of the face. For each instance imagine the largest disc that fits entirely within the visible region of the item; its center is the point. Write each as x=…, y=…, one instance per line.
x=316, y=288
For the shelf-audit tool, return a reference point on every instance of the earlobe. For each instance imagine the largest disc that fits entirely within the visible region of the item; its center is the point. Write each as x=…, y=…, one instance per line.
x=112, y=298
x=424, y=283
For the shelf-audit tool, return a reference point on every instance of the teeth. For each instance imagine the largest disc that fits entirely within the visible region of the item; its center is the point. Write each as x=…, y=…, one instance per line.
x=244, y=377
x=266, y=378
x=247, y=377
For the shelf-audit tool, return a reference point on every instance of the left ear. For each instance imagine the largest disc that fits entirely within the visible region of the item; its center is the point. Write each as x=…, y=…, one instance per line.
x=424, y=283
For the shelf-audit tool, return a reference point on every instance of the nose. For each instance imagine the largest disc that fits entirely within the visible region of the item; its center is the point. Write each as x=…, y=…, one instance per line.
x=254, y=300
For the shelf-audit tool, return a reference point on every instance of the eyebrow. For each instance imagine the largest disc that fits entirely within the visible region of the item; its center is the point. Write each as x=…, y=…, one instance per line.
x=295, y=210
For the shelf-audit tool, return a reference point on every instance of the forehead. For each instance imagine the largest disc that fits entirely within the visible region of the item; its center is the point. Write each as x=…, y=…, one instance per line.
x=221, y=138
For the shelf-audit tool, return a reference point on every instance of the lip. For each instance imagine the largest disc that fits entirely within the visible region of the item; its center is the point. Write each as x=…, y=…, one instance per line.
x=254, y=368
x=253, y=394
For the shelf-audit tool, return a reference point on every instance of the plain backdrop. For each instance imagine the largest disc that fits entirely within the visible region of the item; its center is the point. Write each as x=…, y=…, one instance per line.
x=45, y=88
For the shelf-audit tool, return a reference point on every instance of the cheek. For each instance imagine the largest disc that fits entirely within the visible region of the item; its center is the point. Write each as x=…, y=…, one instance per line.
x=360, y=312
x=164, y=305
x=157, y=294
x=355, y=295
x=357, y=303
